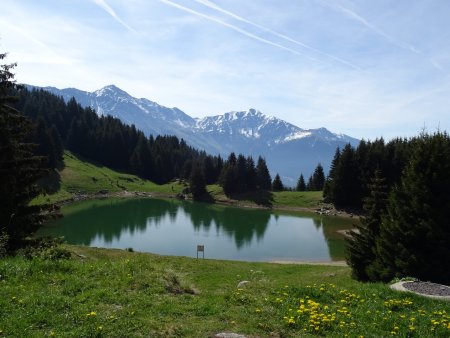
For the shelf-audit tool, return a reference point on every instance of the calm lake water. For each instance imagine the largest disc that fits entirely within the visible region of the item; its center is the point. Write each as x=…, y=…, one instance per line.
x=172, y=227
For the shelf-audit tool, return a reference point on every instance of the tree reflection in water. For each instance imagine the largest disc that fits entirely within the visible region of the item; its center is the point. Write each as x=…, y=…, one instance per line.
x=175, y=227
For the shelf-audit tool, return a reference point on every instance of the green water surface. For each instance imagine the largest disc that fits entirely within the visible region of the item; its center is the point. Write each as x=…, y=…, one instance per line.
x=172, y=227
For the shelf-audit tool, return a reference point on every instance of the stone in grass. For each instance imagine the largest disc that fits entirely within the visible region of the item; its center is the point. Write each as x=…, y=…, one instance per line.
x=229, y=335
x=243, y=283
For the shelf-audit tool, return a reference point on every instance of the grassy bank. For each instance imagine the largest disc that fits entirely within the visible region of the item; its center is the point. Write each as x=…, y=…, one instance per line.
x=80, y=177
x=114, y=293
x=83, y=178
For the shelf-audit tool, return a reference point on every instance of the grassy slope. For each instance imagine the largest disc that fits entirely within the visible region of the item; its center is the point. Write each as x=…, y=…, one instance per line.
x=114, y=293
x=84, y=177
x=88, y=178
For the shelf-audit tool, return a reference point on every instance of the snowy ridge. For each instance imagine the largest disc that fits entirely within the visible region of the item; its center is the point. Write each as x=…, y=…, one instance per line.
x=289, y=150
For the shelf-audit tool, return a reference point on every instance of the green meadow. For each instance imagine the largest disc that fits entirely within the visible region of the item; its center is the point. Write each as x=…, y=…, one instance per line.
x=87, y=292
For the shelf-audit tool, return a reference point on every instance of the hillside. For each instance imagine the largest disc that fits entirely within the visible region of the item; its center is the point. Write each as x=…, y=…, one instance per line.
x=83, y=179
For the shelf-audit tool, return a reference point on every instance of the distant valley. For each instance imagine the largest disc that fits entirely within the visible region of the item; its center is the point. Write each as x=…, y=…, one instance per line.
x=288, y=149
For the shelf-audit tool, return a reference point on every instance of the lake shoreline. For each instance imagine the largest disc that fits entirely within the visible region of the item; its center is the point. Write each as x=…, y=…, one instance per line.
x=324, y=210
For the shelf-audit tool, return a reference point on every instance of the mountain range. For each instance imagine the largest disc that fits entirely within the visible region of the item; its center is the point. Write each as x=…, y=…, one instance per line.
x=288, y=149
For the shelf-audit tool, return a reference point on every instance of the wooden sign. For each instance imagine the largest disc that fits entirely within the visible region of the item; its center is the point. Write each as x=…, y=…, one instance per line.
x=201, y=248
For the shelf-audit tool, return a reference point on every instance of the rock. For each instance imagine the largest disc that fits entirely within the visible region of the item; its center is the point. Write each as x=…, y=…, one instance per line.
x=229, y=335
x=242, y=283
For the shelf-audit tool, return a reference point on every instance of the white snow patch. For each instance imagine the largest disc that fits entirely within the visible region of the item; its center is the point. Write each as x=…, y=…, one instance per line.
x=297, y=135
x=250, y=133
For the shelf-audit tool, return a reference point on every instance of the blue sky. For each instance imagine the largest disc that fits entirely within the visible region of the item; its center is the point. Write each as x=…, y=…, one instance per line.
x=363, y=68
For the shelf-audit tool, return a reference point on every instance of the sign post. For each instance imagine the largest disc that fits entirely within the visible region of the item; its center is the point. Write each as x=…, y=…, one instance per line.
x=201, y=248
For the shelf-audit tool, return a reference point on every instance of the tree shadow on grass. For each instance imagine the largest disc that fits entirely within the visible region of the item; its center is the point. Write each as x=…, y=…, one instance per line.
x=206, y=198
x=260, y=197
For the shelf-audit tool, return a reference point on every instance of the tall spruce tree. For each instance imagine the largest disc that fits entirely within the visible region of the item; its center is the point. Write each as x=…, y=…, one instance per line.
x=250, y=174
x=277, y=184
x=263, y=179
x=329, y=185
x=361, y=245
x=318, y=178
x=301, y=185
x=415, y=234
x=197, y=183
x=19, y=167
x=346, y=186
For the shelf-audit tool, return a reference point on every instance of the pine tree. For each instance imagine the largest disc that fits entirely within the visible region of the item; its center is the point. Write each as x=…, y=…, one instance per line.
x=197, y=183
x=318, y=178
x=277, y=184
x=19, y=168
x=250, y=174
x=301, y=186
x=361, y=246
x=330, y=180
x=208, y=170
x=415, y=235
x=263, y=179
x=141, y=159
x=57, y=146
x=345, y=188
x=228, y=177
x=310, y=184
x=241, y=174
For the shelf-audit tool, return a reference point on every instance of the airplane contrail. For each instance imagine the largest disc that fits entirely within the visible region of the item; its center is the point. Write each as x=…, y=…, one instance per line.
x=399, y=43
x=235, y=28
x=216, y=7
x=351, y=14
x=102, y=4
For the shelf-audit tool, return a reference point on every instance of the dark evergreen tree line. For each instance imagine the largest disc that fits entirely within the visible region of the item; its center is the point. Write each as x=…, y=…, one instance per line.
x=352, y=169
x=110, y=142
x=316, y=181
x=407, y=232
x=239, y=175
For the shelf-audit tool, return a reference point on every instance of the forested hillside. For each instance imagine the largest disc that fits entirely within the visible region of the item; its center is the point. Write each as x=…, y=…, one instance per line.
x=108, y=141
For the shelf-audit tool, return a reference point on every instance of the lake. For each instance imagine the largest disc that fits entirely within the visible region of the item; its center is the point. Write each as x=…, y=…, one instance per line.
x=172, y=227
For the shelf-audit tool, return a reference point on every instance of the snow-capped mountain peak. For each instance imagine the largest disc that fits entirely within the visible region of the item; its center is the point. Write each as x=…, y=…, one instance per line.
x=289, y=150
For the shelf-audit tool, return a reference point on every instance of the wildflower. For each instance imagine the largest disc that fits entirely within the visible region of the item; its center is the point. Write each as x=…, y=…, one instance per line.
x=52, y=333
x=99, y=328
x=258, y=310
x=91, y=314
